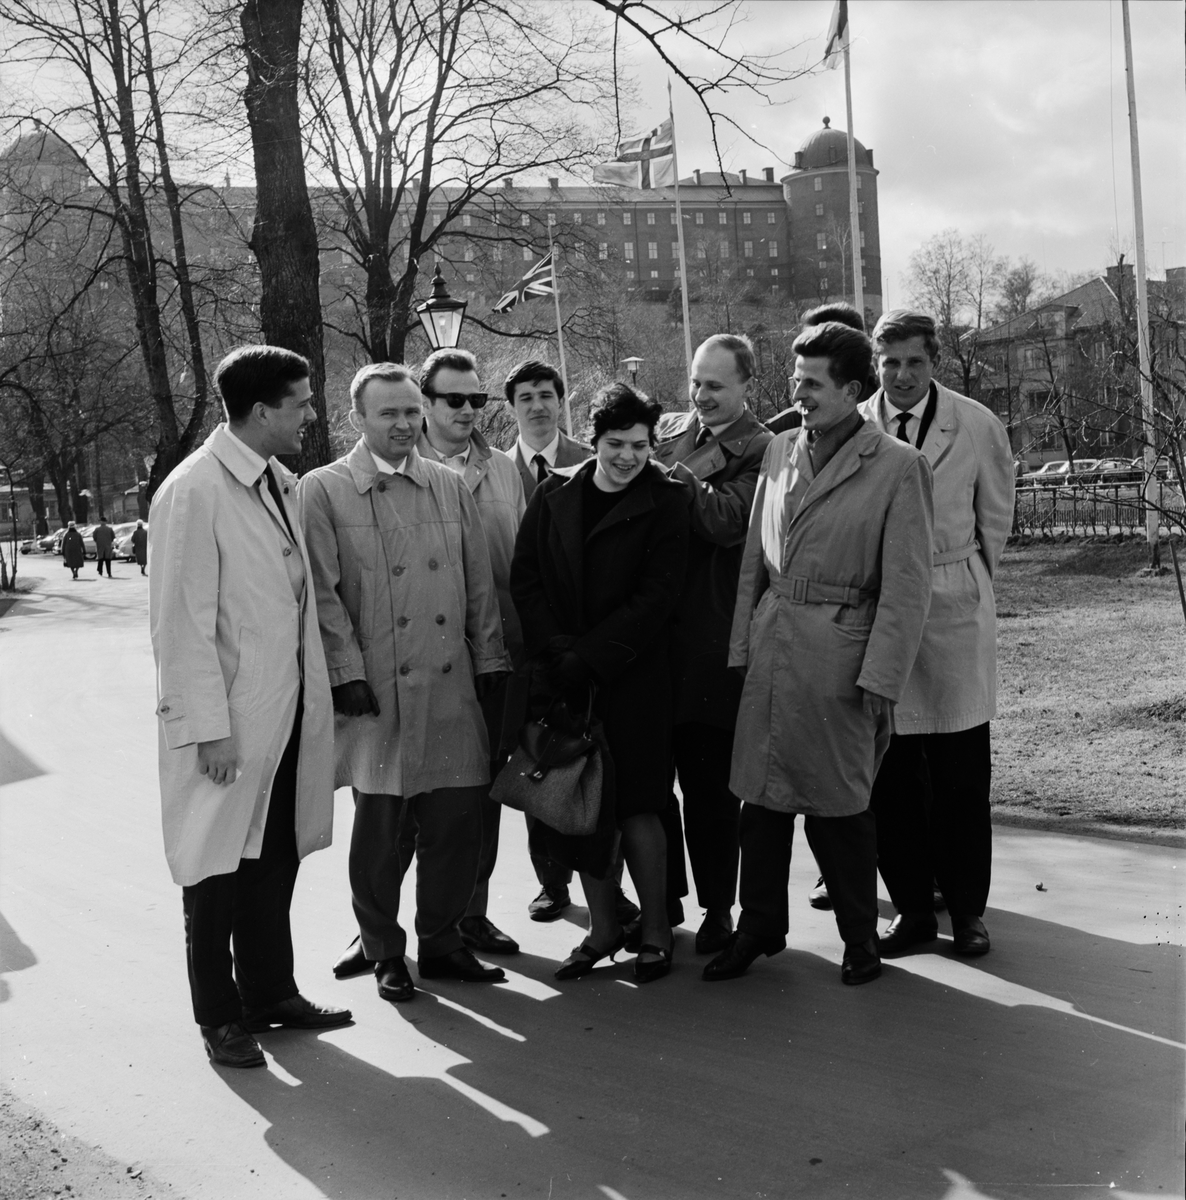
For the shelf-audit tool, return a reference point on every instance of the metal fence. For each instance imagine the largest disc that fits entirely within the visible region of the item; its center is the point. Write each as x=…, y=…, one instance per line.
x=1094, y=509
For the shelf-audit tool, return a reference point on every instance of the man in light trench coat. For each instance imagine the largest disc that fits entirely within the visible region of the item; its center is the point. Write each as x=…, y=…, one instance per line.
x=835, y=582
x=931, y=797
x=410, y=622
x=245, y=729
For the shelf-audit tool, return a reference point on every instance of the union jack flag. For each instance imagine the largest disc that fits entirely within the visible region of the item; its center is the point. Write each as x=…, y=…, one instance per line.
x=539, y=281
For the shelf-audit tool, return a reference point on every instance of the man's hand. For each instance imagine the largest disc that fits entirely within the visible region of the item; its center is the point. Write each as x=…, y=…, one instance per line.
x=874, y=705
x=217, y=760
x=486, y=683
x=355, y=699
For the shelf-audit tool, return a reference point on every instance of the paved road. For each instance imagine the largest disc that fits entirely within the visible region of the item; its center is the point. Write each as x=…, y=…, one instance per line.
x=1052, y=1067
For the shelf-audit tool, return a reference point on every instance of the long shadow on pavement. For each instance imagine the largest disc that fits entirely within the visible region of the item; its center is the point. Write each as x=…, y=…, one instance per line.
x=782, y=1084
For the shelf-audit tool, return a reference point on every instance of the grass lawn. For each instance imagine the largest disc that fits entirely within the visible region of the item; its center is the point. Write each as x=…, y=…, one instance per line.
x=1091, y=713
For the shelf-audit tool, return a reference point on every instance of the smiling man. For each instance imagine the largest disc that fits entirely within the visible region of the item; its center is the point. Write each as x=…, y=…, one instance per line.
x=246, y=727
x=932, y=792
x=716, y=449
x=410, y=623
x=835, y=581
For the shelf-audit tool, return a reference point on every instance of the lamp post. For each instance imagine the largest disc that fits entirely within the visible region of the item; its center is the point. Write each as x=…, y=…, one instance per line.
x=441, y=315
x=632, y=364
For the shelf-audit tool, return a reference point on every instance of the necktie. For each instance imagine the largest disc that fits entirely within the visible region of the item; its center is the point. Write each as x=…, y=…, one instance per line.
x=703, y=436
x=274, y=488
x=541, y=468
x=903, y=420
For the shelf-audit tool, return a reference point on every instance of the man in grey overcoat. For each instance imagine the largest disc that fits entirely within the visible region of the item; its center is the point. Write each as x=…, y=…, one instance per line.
x=835, y=582
x=410, y=623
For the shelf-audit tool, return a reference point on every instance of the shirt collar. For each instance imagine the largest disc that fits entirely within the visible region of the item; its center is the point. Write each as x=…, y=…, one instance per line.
x=255, y=462
x=448, y=459
x=384, y=467
x=549, y=451
x=891, y=413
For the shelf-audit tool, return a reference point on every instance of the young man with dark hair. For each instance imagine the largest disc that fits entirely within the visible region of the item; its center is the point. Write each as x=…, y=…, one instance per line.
x=834, y=587
x=932, y=792
x=535, y=392
x=245, y=718
x=716, y=449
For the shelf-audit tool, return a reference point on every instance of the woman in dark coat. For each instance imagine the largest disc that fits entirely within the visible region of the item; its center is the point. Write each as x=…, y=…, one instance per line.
x=598, y=565
x=73, y=551
x=140, y=545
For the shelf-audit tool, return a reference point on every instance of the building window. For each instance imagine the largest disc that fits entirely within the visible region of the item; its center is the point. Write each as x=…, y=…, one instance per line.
x=858, y=183
x=701, y=251
x=469, y=254
x=466, y=221
x=650, y=218
x=772, y=249
x=747, y=249
x=628, y=251
x=470, y=277
x=862, y=239
x=819, y=183
x=770, y=218
x=601, y=218
x=775, y=289
x=860, y=206
x=551, y=218
x=652, y=250
x=524, y=220
x=821, y=241
x=699, y=218
x=823, y=266
x=819, y=210
x=672, y=215
x=864, y=280
x=773, y=272
x=824, y=282
x=527, y=254
x=654, y=274
x=497, y=252
x=627, y=218
x=722, y=218
x=724, y=248
x=675, y=249
x=629, y=274
x=578, y=218
x=603, y=251
x=749, y=272
x=747, y=218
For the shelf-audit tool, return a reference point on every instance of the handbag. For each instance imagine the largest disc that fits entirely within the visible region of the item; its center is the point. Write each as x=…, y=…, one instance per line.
x=556, y=773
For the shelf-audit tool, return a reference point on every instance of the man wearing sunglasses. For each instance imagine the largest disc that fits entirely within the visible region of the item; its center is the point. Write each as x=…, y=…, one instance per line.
x=452, y=397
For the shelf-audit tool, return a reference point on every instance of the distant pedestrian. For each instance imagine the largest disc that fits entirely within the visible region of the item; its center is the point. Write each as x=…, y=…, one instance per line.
x=140, y=545
x=73, y=554
x=104, y=537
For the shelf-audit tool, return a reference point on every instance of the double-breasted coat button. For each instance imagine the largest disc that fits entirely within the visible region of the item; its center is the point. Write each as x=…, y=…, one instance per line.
x=397, y=570
x=432, y=564
x=164, y=708
x=287, y=551
x=381, y=486
x=440, y=618
x=402, y=622
x=404, y=670
x=447, y=668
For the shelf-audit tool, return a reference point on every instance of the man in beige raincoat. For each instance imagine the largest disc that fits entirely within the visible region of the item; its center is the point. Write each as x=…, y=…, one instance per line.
x=932, y=793
x=412, y=634
x=246, y=734
x=835, y=582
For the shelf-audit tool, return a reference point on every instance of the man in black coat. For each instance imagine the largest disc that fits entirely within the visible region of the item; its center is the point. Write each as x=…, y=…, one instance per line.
x=716, y=449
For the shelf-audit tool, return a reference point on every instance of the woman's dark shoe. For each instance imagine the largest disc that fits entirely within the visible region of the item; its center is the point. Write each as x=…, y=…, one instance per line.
x=586, y=956
x=648, y=972
x=741, y=951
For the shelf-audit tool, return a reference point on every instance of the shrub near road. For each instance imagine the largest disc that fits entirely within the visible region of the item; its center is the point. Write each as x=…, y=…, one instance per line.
x=1092, y=674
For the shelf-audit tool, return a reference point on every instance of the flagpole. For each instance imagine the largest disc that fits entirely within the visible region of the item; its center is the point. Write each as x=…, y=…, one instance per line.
x=858, y=288
x=560, y=328
x=679, y=226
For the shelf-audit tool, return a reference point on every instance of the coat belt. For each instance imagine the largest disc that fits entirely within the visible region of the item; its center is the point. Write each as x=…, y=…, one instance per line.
x=800, y=590
x=954, y=556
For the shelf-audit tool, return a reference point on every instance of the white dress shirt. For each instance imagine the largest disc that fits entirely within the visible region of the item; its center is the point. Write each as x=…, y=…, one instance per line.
x=890, y=414
x=549, y=451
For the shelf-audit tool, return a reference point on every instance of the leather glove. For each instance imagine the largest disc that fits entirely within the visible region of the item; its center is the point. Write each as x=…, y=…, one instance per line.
x=486, y=683
x=355, y=699
x=569, y=671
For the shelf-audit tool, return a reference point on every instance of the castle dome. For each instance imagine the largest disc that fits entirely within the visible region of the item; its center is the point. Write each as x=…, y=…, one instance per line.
x=828, y=147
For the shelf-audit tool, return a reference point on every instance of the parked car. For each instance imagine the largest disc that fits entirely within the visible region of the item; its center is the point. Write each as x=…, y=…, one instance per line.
x=1113, y=471
x=123, y=541
x=88, y=542
x=56, y=541
x=1045, y=474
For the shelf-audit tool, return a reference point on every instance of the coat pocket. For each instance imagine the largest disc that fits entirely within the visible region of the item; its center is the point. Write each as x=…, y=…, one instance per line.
x=245, y=685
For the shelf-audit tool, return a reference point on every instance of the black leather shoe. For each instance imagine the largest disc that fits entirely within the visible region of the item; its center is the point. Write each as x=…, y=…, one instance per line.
x=626, y=911
x=970, y=938
x=459, y=964
x=549, y=904
x=586, y=956
x=480, y=933
x=353, y=962
x=741, y=951
x=231, y=1046
x=713, y=935
x=395, y=983
x=656, y=968
x=906, y=930
x=296, y=1013
x=861, y=962
x=818, y=896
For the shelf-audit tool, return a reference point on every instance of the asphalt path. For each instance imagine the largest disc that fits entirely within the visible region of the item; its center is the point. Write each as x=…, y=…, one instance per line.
x=1053, y=1066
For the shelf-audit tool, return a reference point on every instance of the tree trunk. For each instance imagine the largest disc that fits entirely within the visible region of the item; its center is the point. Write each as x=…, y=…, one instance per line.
x=35, y=482
x=284, y=237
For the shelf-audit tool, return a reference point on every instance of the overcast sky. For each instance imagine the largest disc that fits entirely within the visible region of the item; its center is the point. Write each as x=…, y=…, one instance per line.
x=997, y=118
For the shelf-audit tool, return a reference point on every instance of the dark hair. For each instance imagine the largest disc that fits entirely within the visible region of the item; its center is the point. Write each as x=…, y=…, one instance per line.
x=848, y=351
x=252, y=375
x=743, y=351
x=902, y=324
x=619, y=406
x=446, y=360
x=532, y=371
x=845, y=314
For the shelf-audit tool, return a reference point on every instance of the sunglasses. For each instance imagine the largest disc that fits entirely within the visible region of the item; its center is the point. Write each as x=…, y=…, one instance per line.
x=457, y=399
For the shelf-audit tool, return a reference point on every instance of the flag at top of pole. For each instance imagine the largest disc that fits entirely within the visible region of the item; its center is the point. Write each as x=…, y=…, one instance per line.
x=646, y=160
x=837, y=36
x=539, y=281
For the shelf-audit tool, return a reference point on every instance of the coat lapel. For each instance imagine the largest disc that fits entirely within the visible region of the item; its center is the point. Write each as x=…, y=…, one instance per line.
x=844, y=464
x=942, y=428
x=638, y=501
x=564, y=538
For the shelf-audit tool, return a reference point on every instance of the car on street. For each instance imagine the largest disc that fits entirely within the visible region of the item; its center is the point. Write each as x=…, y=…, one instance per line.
x=123, y=541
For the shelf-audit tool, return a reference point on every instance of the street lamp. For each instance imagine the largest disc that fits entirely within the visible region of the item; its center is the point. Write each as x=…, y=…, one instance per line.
x=441, y=315
x=632, y=364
